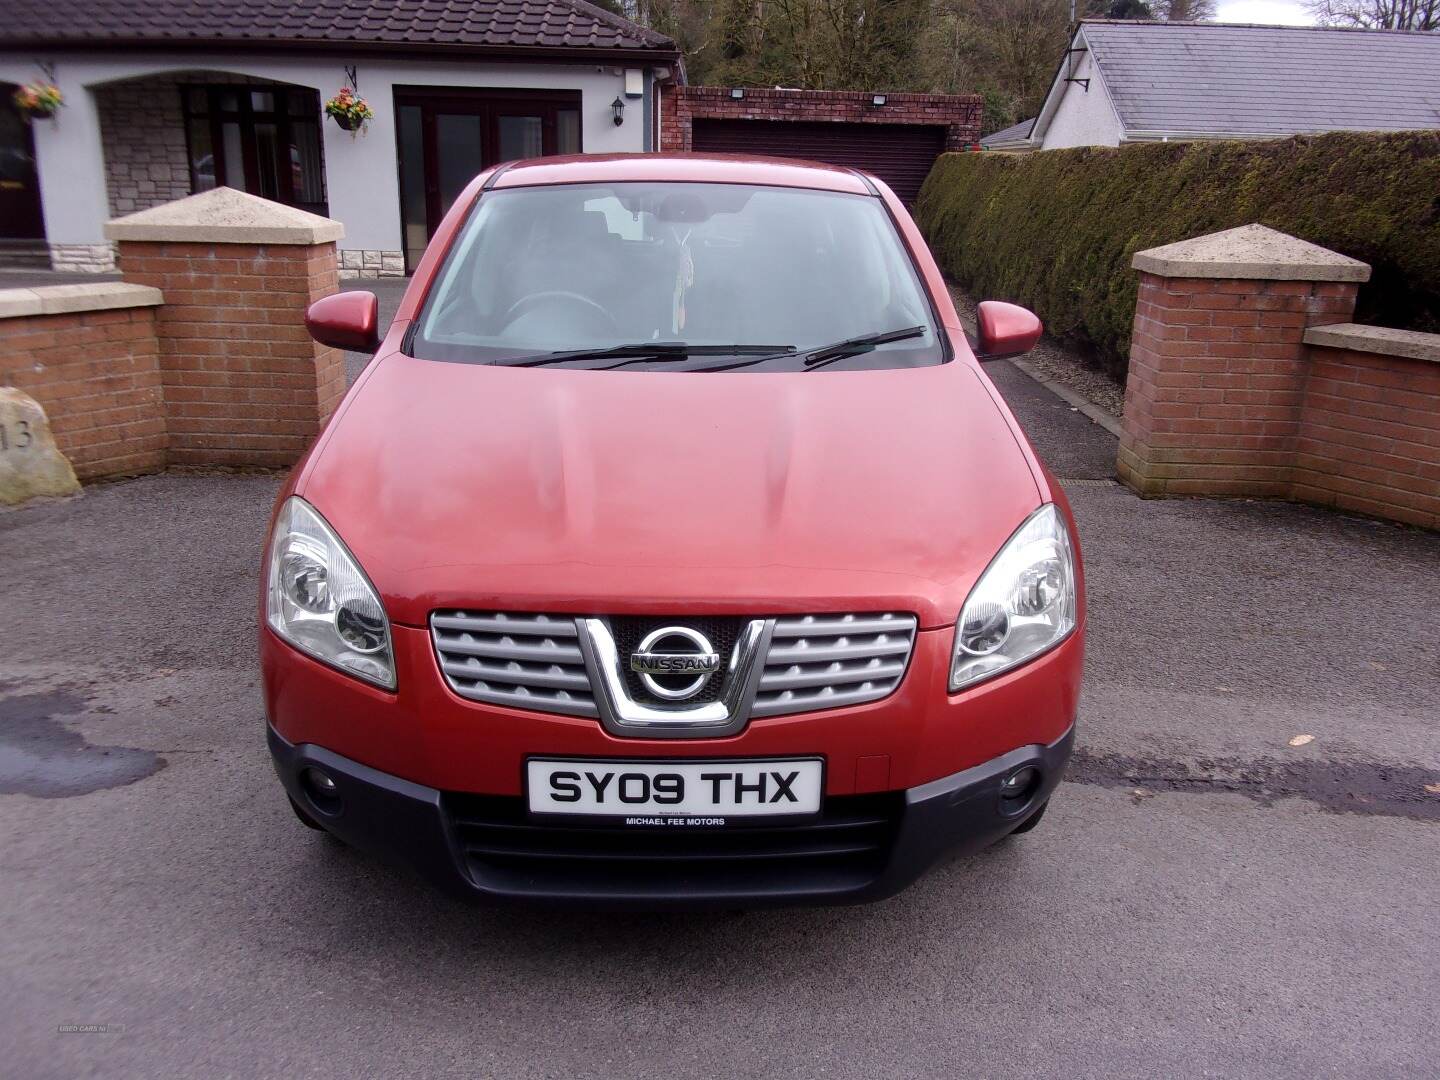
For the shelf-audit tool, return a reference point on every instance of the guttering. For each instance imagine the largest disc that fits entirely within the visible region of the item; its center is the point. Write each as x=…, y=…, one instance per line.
x=581, y=54
x=670, y=75
x=1158, y=135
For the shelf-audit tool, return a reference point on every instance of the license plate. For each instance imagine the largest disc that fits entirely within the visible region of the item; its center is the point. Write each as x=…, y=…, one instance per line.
x=675, y=792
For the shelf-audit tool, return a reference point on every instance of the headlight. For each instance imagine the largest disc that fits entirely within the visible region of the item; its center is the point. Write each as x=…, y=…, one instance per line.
x=318, y=599
x=1022, y=605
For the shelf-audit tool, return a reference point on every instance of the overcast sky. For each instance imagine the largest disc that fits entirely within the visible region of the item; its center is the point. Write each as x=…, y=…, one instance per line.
x=1273, y=12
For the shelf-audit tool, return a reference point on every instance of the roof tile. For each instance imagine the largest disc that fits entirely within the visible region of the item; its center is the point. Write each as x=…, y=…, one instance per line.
x=504, y=23
x=1218, y=79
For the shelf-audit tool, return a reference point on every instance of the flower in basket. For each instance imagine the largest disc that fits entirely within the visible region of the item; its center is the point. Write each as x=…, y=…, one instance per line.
x=350, y=112
x=38, y=99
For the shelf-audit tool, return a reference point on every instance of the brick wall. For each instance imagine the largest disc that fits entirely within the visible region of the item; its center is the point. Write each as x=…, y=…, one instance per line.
x=680, y=106
x=97, y=375
x=244, y=383
x=1369, y=437
x=200, y=357
x=1247, y=379
x=1216, y=384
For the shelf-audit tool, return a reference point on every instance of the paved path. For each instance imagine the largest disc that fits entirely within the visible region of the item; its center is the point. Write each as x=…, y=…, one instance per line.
x=388, y=291
x=1203, y=898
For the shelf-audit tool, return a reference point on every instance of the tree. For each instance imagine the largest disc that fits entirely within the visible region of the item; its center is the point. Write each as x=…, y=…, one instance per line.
x=1377, y=14
x=1126, y=9
x=695, y=25
x=1006, y=50
x=811, y=44
x=1185, y=10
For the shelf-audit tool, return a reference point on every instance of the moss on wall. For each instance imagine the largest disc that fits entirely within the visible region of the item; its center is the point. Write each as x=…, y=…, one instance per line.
x=1056, y=230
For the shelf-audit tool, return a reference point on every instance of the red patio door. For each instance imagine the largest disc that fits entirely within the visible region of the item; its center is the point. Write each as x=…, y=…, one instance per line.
x=447, y=135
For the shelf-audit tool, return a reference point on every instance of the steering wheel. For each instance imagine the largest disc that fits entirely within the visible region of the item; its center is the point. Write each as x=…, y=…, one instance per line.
x=525, y=303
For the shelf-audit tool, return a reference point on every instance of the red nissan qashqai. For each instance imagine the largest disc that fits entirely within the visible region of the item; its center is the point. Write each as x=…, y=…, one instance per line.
x=674, y=549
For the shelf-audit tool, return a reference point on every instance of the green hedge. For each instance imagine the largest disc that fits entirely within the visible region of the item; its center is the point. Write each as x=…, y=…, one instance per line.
x=1055, y=230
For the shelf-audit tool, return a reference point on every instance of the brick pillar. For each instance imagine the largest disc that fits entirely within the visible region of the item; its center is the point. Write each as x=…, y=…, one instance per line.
x=243, y=382
x=675, y=134
x=1218, y=360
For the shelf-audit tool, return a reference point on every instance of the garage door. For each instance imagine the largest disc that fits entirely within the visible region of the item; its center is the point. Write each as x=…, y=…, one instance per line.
x=899, y=154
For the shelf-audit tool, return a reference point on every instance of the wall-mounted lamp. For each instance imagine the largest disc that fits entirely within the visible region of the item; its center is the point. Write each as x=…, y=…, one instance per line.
x=737, y=93
x=618, y=108
x=878, y=100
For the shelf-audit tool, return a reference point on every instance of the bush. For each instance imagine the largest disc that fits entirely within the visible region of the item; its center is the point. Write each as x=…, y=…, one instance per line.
x=1056, y=230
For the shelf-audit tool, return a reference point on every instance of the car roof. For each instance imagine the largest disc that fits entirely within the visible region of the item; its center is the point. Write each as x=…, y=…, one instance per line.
x=686, y=168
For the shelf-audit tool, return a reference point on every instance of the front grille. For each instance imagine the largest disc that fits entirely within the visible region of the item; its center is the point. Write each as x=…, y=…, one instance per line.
x=720, y=631
x=825, y=661
x=844, y=847
x=535, y=661
x=525, y=661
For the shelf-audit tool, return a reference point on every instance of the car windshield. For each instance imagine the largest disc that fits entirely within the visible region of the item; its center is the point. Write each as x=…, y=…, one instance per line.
x=715, y=276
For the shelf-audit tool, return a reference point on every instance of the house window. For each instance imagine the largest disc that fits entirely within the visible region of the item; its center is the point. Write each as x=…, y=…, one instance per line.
x=260, y=139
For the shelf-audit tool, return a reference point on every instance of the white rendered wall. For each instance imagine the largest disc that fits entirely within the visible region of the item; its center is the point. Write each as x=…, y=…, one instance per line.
x=1084, y=118
x=360, y=172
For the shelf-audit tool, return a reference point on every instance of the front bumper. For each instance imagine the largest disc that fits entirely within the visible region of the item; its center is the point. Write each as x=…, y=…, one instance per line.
x=426, y=733
x=863, y=847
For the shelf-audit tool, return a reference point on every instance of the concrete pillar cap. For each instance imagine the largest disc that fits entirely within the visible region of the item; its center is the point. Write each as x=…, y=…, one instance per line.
x=225, y=216
x=1251, y=251
x=64, y=299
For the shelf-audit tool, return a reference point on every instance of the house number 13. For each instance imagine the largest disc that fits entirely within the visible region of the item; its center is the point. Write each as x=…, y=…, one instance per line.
x=19, y=439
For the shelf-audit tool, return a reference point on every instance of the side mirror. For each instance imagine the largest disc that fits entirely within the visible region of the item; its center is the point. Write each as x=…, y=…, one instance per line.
x=1005, y=329
x=347, y=320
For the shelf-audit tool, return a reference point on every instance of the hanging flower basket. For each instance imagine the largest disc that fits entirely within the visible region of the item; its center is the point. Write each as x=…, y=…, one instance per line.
x=351, y=113
x=38, y=100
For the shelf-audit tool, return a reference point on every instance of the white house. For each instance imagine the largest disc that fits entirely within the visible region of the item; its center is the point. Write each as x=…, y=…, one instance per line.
x=170, y=97
x=1124, y=82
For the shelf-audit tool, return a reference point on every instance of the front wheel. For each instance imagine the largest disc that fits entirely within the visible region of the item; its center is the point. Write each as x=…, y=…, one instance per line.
x=305, y=819
x=1032, y=820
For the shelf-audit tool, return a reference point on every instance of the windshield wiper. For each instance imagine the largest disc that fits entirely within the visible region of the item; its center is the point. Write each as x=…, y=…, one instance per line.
x=841, y=350
x=642, y=352
x=687, y=351
x=639, y=348
x=828, y=354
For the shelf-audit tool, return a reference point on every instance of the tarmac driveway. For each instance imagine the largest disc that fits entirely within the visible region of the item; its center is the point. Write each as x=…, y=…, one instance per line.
x=1204, y=898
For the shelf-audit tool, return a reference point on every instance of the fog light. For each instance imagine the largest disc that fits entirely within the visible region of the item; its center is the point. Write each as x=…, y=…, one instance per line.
x=1020, y=784
x=321, y=788
x=321, y=791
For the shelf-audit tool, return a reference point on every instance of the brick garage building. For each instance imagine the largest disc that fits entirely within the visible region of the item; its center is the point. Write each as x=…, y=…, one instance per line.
x=894, y=136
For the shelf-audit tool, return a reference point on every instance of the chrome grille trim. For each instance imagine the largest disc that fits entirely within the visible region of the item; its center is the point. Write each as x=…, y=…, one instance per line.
x=622, y=715
x=560, y=664
x=523, y=661
x=826, y=661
